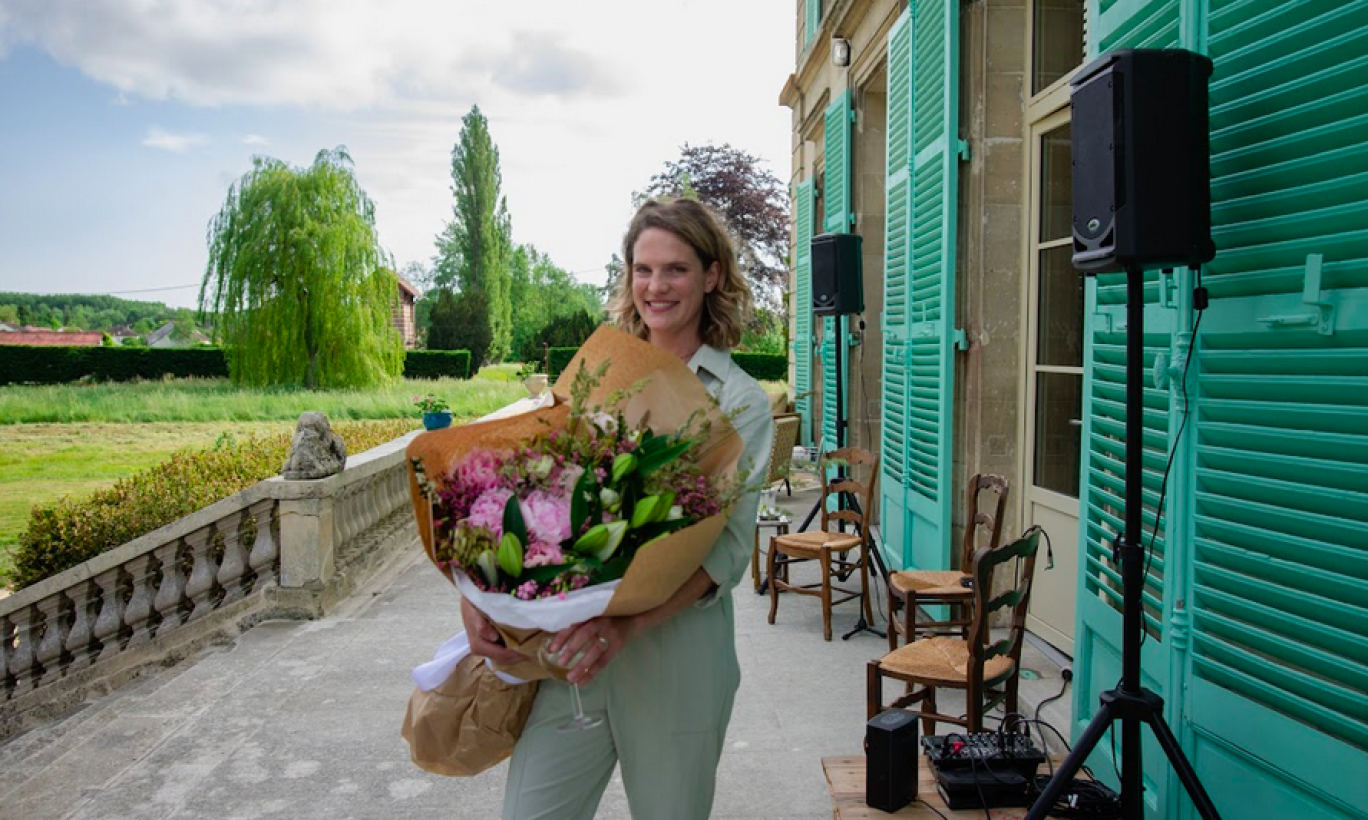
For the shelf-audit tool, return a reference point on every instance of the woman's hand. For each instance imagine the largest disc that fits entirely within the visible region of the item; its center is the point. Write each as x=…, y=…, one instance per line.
x=484, y=638
x=599, y=639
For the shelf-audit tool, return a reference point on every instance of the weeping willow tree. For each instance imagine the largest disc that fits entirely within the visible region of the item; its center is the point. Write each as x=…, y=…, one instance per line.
x=297, y=280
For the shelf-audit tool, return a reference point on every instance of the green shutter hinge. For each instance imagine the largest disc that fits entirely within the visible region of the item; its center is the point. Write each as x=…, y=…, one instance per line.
x=1322, y=315
x=851, y=111
x=959, y=338
x=963, y=150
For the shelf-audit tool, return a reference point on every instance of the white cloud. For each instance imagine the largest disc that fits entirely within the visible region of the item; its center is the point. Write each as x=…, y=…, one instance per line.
x=585, y=99
x=176, y=143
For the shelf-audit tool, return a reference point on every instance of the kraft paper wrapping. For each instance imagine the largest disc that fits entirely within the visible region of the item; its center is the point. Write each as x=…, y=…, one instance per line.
x=671, y=394
x=468, y=723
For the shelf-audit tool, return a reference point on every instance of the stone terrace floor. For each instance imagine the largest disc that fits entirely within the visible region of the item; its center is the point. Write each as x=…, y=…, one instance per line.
x=301, y=719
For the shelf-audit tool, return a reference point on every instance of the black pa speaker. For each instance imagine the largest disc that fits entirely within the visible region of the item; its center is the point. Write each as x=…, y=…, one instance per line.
x=837, y=281
x=891, y=760
x=1141, y=161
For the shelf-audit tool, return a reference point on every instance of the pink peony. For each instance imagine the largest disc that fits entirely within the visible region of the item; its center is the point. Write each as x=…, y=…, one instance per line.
x=488, y=510
x=541, y=554
x=480, y=470
x=547, y=517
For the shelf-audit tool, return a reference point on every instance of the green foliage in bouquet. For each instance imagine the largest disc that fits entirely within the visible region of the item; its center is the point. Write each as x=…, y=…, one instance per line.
x=635, y=486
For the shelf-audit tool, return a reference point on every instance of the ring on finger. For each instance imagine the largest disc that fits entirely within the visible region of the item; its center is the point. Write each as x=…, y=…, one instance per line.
x=602, y=642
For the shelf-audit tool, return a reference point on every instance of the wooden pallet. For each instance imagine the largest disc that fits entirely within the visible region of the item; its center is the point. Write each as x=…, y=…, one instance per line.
x=845, y=778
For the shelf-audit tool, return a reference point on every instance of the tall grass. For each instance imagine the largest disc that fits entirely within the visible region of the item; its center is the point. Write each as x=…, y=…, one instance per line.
x=204, y=400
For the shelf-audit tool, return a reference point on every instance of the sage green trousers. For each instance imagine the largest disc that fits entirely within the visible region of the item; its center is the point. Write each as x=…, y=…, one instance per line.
x=667, y=699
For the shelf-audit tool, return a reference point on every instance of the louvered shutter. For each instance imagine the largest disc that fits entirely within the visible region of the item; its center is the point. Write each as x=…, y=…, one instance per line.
x=897, y=252
x=812, y=20
x=838, y=218
x=802, y=307
x=931, y=334
x=1280, y=528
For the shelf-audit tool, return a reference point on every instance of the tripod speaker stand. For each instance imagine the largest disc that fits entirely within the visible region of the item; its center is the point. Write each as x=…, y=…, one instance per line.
x=1141, y=199
x=837, y=291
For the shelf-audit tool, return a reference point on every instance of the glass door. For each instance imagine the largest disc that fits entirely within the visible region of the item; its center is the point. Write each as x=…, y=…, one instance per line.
x=1053, y=381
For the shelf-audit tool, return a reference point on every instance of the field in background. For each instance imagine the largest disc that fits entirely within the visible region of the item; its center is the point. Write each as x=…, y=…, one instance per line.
x=217, y=400
x=61, y=440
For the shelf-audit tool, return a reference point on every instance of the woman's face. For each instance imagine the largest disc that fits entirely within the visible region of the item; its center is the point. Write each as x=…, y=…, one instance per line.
x=669, y=285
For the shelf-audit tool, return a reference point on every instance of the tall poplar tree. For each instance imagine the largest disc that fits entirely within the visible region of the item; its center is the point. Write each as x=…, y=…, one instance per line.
x=473, y=249
x=298, y=281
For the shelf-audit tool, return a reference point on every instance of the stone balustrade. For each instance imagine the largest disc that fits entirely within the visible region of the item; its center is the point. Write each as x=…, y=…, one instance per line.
x=277, y=549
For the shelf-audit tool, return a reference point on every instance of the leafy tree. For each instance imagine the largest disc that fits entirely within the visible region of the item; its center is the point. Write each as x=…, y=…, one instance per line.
x=296, y=277
x=92, y=312
x=564, y=331
x=767, y=333
x=750, y=198
x=473, y=248
x=544, y=294
x=460, y=322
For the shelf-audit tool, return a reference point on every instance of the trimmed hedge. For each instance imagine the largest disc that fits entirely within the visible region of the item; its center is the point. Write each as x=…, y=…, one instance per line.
x=57, y=365
x=760, y=366
x=34, y=364
x=71, y=530
x=557, y=359
x=435, y=364
x=765, y=367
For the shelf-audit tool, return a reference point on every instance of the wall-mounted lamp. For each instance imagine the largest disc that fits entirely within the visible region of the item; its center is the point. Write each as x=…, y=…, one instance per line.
x=840, y=52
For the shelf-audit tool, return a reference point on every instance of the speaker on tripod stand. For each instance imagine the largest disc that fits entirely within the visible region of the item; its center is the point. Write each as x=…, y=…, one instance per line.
x=1142, y=199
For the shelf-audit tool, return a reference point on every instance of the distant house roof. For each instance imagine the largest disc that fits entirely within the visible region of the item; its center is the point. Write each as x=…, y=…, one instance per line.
x=4, y=328
x=164, y=336
x=407, y=287
x=52, y=338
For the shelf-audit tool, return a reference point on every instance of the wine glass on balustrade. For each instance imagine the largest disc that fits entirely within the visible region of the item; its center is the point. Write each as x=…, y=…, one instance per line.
x=552, y=661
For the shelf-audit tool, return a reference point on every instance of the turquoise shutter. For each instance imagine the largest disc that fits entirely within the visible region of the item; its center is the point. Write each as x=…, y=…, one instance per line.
x=802, y=296
x=931, y=334
x=1279, y=653
x=1097, y=638
x=812, y=20
x=839, y=217
x=897, y=251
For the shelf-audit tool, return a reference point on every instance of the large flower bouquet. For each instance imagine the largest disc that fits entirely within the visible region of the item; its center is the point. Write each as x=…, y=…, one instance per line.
x=601, y=501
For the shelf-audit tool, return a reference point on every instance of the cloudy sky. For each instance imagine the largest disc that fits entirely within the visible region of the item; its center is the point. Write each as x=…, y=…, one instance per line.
x=124, y=122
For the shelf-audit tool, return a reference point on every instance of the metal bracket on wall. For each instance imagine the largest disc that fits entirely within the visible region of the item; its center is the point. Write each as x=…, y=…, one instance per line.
x=1322, y=315
x=963, y=150
x=959, y=338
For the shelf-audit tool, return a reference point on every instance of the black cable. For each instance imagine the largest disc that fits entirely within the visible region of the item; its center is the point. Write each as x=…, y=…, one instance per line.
x=1083, y=799
x=1068, y=676
x=1199, y=302
x=931, y=807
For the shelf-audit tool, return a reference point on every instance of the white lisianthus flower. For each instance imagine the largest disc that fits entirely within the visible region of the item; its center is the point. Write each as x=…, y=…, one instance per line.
x=604, y=422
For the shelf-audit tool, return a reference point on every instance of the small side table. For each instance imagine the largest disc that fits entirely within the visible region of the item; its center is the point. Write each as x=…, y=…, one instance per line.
x=781, y=527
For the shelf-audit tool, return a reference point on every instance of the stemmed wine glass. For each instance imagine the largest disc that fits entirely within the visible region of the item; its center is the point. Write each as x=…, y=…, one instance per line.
x=552, y=661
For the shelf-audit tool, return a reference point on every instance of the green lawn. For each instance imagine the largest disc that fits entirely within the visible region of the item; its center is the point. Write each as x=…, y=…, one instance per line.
x=73, y=439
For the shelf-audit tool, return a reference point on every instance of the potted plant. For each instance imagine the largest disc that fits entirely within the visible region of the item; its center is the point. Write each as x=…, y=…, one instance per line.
x=436, y=412
x=534, y=382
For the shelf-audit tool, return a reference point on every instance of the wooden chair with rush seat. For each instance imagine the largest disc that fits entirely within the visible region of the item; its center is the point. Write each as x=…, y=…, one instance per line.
x=987, y=670
x=829, y=546
x=984, y=506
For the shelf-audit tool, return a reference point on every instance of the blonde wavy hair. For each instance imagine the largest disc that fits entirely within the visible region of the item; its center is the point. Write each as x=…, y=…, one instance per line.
x=726, y=307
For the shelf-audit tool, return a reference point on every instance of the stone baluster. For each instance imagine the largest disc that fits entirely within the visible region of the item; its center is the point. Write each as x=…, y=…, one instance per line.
x=170, y=599
x=6, y=651
x=109, y=624
x=200, y=586
x=23, y=658
x=233, y=568
x=54, y=609
x=139, y=615
x=266, y=548
x=80, y=642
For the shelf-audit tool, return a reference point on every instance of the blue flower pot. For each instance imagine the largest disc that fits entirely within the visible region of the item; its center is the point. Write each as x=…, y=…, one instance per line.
x=438, y=420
